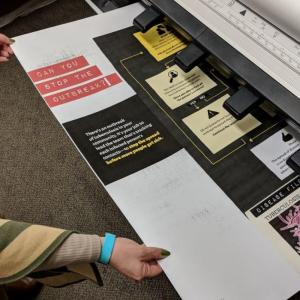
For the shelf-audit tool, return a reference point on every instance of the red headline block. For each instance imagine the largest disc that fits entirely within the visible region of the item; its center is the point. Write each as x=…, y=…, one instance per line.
x=61, y=68
x=83, y=90
x=60, y=83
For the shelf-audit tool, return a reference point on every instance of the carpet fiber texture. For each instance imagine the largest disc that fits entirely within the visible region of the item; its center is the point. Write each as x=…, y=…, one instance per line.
x=43, y=177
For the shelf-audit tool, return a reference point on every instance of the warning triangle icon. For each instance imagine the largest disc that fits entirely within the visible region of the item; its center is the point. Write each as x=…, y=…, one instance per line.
x=243, y=13
x=212, y=114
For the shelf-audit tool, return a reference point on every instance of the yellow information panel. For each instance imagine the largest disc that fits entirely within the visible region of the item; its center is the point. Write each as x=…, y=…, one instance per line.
x=176, y=87
x=216, y=128
x=160, y=41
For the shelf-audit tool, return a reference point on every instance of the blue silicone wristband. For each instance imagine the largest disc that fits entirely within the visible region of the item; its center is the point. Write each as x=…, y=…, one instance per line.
x=107, y=248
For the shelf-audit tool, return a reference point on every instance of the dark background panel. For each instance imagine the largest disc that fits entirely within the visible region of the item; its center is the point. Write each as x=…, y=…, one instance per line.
x=131, y=110
x=244, y=178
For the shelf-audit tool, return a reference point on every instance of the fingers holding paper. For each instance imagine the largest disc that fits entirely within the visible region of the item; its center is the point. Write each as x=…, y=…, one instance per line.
x=5, y=49
x=137, y=261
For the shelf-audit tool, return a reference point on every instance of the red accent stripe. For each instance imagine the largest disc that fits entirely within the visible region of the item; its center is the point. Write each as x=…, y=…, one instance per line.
x=60, y=83
x=114, y=79
x=61, y=68
x=83, y=90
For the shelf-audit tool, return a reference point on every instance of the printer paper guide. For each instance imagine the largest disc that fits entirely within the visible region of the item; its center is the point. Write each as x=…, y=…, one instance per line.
x=276, y=66
x=173, y=203
x=285, y=14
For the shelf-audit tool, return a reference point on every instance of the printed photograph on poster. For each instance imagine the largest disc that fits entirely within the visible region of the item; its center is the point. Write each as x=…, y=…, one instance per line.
x=278, y=217
x=287, y=224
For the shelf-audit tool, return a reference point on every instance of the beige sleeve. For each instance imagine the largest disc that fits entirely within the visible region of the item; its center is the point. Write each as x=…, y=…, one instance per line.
x=77, y=249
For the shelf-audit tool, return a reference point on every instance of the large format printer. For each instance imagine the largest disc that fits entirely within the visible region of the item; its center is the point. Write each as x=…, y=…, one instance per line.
x=256, y=42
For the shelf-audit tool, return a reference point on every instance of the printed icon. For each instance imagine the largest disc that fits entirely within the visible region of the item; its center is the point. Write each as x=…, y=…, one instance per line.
x=286, y=137
x=243, y=13
x=212, y=114
x=163, y=29
x=194, y=104
x=172, y=74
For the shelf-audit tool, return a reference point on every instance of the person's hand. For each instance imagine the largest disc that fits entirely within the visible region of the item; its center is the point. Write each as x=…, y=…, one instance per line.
x=136, y=261
x=5, y=49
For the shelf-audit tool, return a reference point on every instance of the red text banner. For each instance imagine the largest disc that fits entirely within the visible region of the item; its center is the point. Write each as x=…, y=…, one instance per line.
x=60, y=83
x=58, y=69
x=83, y=90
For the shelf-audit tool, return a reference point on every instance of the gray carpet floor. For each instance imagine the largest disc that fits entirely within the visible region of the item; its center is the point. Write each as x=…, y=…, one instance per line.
x=44, y=180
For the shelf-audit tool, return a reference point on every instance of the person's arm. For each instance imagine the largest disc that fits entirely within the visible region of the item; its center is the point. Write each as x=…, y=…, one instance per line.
x=129, y=258
x=5, y=49
x=50, y=254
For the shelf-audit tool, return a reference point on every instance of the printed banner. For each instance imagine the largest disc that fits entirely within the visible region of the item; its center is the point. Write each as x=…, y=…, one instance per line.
x=142, y=142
